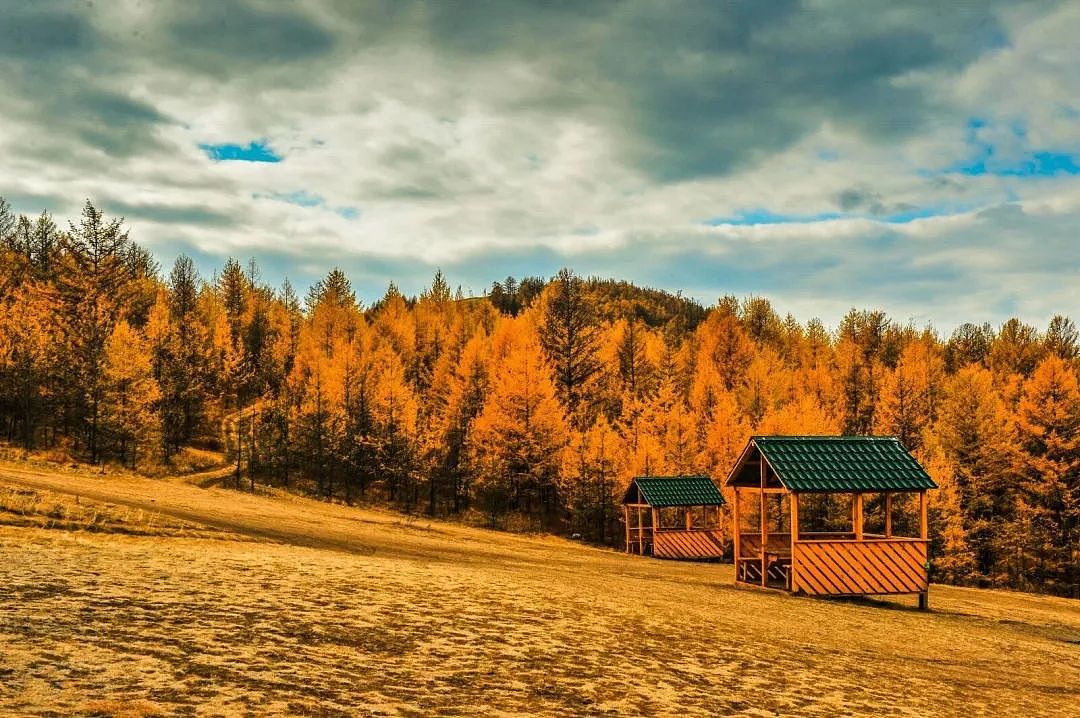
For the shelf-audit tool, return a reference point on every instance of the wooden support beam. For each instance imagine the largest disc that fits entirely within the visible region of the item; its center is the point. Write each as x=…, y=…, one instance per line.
x=736, y=521
x=924, y=534
x=655, y=526
x=857, y=518
x=626, y=523
x=764, y=527
x=924, y=524
x=640, y=533
x=794, y=580
x=689, y=522
x=888, y=515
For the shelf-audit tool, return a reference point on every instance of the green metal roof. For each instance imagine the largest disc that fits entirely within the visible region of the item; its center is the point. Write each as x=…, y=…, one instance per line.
x=678, y=490
x=843, y=463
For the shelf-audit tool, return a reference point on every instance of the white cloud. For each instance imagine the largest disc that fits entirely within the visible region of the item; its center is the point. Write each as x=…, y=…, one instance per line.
x=585, y=140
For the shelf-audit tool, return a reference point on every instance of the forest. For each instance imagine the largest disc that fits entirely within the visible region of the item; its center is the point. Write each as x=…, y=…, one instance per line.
x=531, y=407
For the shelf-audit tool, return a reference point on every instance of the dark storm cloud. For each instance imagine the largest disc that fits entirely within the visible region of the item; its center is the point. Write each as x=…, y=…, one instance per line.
x=690, y=89
x=166, y=214
x=37, y=31
x=703, y=88
x=230, y=36
x=77, y=120
x=861, y=200
x=719, y=90
x=61, y=67
x=32, y=203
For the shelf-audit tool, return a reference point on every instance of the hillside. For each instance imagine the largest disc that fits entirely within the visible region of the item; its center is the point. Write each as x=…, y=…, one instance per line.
x=233, y=604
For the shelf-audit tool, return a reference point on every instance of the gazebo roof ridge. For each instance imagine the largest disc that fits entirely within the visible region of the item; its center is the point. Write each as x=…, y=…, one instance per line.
x=839, y=463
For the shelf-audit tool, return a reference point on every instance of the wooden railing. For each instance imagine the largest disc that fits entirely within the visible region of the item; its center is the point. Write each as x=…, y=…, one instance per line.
x=750, y=544
x=692, y=544
x=850, y=567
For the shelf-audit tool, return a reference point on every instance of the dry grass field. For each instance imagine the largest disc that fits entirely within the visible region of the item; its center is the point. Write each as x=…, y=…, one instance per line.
x=156, y=597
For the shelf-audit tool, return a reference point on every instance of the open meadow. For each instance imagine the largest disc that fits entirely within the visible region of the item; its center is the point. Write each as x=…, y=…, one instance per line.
x=156, y=597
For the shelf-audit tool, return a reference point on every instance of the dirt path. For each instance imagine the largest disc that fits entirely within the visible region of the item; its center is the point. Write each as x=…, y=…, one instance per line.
x=284, y=517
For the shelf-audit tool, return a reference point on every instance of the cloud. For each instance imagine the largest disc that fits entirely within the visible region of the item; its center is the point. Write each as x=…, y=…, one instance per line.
x=827, y=154
x=230, y=36
x=36, y=32
x=169, y=214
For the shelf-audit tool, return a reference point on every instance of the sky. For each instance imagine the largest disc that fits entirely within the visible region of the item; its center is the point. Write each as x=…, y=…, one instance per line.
x=921, y=157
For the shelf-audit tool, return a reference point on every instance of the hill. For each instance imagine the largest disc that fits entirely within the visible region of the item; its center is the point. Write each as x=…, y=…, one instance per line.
x=230, y=604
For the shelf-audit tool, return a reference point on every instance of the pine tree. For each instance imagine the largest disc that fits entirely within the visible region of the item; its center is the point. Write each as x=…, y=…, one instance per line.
x=975, y=437
x=969, y=344
x=96, y=285
x=1016, y=349
x=911, y=392
x=233, y=287
x=589, y=481
x=860, y=354
x=179, y=338
x=7, y=221
x=128, y=408
x=517, y=440
x=29, y=347
x=394, y=409
x=1062, y=338
x=723, y=342
x=953, y=558
x=570, y=338
x=1048, y=423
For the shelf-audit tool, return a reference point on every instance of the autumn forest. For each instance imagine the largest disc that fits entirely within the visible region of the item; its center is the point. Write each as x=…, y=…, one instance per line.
x=531, y=407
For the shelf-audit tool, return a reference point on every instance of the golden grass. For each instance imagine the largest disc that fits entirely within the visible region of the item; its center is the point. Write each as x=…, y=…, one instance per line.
x=185, y=462
x=189, y=460
x=356, y=612
x=38, y=508
x=120, y=709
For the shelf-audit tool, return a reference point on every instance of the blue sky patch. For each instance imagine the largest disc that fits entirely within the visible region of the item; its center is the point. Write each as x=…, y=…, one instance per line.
x=986, y=160
x=750, y=217
x=759, y=216
x=1034, y=164
x=303, y=198
x=256, y=151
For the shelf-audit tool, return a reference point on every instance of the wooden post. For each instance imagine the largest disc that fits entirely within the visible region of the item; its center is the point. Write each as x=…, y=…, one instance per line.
x=924, y=524
x=736, y=522
x=888, y=515
x=764, y=526
x=794, y=501
x=858, y=517
x=655, y=525
x=640, y=532
x=924, y=534
x=626, y=523
x=688, y=521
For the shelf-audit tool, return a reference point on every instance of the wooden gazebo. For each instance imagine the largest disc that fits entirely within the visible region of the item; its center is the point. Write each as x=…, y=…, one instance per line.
x=784, y=471
x=683, y=515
